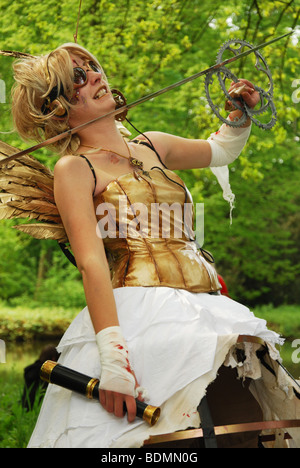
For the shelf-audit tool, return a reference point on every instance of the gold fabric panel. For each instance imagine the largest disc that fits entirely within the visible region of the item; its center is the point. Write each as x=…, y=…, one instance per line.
x=143, y=231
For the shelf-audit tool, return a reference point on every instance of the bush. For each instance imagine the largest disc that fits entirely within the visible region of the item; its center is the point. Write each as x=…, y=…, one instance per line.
x=21, y=324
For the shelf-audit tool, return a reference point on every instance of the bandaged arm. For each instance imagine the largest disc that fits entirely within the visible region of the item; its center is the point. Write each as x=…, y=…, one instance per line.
x=116, y=373
x=227, y=144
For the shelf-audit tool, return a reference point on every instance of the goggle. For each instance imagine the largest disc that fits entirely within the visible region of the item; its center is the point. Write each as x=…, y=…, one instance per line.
x=80, y=80
x=80, y=75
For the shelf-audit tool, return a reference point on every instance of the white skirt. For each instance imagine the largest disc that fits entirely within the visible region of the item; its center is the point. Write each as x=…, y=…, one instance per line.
x=177, y=341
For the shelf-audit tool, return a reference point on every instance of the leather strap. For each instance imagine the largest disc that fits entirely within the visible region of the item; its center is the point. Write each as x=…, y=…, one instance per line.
x=67, y=253
x=223, y=430
x=207, y=424
x=250, y=339
x=92, y=169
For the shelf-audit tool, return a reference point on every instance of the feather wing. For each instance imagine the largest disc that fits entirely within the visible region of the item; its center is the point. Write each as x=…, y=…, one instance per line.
x=44, y=231
x=26, y=191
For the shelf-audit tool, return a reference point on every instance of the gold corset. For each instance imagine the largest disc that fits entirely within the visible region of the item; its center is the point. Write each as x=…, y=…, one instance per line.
x=141, y=220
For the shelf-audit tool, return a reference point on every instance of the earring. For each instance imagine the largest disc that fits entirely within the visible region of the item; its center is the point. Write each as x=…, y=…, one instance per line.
x=57, y=106
x=120, y=102
x=75, y=98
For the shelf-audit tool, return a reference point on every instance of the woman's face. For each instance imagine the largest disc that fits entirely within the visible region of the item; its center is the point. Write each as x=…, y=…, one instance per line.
x=93, y=98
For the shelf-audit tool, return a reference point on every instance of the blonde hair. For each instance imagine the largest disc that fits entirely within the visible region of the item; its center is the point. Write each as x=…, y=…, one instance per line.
x=35, y=78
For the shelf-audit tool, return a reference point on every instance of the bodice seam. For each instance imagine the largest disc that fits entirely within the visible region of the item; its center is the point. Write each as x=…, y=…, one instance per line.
x=144, y=240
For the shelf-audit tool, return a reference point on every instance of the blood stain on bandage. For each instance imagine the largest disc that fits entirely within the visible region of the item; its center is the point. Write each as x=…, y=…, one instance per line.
x=128, y=367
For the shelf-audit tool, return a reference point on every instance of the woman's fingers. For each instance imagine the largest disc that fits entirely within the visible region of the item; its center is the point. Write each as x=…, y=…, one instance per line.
x=114, y=402
x=131, y=408
x=107, y=400
x=119, y=400
x=246, y=90
x=102, y=397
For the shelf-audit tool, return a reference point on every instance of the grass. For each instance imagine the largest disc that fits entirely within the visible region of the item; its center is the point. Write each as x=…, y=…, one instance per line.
x=24, y=326
x=284, y=319
x=21, y=323
x=16, y=424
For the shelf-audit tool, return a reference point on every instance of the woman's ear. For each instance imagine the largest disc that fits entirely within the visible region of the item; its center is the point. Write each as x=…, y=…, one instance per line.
x=58, y=108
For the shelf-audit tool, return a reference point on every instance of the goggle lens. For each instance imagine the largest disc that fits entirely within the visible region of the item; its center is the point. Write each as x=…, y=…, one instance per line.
x=80, y=76
x=94, y=67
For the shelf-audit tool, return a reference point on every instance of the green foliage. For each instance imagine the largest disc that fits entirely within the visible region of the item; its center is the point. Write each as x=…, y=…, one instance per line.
x=284, y=319
x=17, y=263
x=258, y=254
x=25, y=324
x=143, y=46
x=16, y=424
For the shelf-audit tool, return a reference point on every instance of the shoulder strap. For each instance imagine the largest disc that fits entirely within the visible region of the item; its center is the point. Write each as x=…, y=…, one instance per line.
x=92, y=169
x=151, y=146
x=66, y=251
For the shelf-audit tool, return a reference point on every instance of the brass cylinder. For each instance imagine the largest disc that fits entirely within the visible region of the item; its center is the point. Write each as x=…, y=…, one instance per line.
x=46, y=369
x=151, y=414
x=90, y=388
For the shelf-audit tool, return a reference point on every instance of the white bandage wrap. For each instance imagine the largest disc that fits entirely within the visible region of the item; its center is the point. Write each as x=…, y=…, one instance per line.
x=116, y=372
x=227, y=144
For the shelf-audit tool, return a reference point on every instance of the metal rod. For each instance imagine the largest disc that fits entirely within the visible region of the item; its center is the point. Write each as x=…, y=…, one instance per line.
x=141, y=100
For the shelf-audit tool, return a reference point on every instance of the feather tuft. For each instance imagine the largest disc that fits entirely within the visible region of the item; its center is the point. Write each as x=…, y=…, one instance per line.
x=26, y=191
x=44, y=231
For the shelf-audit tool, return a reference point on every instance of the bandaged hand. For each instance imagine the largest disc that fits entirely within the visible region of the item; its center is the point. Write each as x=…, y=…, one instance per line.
x=227, y=144
x=246, y=90
x=116, y=373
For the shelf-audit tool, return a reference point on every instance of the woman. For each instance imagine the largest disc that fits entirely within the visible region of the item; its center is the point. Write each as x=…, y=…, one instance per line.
x=154, y=323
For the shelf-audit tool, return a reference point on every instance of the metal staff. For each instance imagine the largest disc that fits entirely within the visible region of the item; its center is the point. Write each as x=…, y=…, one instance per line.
x=142, y=99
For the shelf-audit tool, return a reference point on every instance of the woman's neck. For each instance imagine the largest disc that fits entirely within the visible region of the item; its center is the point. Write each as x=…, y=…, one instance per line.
x=102, y=135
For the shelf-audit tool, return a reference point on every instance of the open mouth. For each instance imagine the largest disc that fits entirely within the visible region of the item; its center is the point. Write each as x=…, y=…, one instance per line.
x=100, y=93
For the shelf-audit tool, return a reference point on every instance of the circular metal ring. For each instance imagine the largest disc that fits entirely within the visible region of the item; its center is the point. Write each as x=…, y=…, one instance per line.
x=266, y=97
